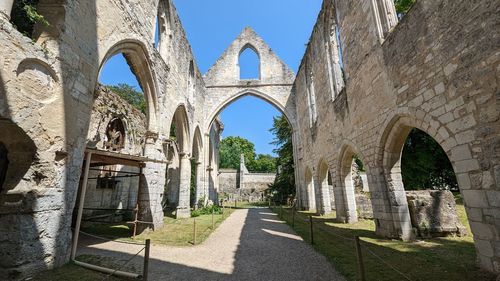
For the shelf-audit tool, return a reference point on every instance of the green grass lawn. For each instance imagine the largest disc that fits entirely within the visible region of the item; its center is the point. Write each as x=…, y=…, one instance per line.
x=449, y=258
x=175, y=232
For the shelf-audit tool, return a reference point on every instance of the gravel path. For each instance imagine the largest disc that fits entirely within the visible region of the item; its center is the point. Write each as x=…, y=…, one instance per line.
x=251, y=244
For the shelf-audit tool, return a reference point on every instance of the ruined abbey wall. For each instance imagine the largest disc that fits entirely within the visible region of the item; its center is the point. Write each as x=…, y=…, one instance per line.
x=46, y=97
x=437, y=70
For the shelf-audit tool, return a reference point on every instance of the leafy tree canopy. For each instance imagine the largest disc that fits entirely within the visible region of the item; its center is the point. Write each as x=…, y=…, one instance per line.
x=232, y=147
x=24, y=16
x=403, y=6
x=131, y=95
x=425, y=165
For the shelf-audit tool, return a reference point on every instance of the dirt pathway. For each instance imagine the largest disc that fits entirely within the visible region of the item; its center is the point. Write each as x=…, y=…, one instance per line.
x=250, y=245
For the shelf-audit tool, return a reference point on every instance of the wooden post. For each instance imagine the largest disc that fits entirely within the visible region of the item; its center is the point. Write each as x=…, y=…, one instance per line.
x=311, y=231
x=145, y=270
x=194, y=231
x=281, y=211
x=135, y=220
x=360, y=259
x=235, y=202
x=293, y=217
x=80, y=205
x=223, y=211
x=213, y=223
x=269, y=202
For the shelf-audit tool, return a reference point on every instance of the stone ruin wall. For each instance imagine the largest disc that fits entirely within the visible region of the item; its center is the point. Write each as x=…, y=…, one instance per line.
x=248, y=187
x=107, y=107
x=46, y=96
x=427, y=72
x=436, y=70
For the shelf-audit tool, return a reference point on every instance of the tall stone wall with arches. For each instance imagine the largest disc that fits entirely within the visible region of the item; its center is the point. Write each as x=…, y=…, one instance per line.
x=424, y=71
x=365, y=81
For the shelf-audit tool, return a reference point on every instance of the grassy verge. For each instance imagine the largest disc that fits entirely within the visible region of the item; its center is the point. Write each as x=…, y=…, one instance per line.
x=175, y=232
x=71, y=272
x=245, y=204
x=448, y=258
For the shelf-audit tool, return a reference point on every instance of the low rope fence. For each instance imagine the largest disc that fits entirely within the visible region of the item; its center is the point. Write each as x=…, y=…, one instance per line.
x=117, y=271
x=360, y=246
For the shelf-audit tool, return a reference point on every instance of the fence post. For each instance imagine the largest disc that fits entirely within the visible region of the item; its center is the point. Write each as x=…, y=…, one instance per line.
x=194, y=231
x=360, y=259
x=312, y=231
x=235, y=203
x=213, y=218
x=145, y=270
x=293, y=217
x=281, y=211
x=269, y=203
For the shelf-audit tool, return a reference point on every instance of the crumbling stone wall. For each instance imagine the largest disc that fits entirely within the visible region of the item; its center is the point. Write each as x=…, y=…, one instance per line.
x=433, y=213
x=47, y=93
x=426, y=72
x=107, y=107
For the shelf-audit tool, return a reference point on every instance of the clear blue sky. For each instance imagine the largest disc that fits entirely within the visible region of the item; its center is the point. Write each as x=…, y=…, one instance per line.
x=212, y=25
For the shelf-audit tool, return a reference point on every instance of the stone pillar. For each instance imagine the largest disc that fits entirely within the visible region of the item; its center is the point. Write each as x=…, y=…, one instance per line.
x=326, y=206
x=151, y=184
x=6, y=8
x=350, y=203
x=183, y=208
x=200, y=189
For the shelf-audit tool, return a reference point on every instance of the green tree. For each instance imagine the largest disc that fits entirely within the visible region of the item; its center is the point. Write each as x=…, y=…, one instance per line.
x=284, y=183
x=131, y=95
x=264, y=163
x=24, y=16
x=425, y=165
x=403, y=6
x=230, y=150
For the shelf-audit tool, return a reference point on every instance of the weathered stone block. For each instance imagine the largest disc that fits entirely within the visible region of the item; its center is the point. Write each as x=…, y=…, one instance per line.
x=433, y=213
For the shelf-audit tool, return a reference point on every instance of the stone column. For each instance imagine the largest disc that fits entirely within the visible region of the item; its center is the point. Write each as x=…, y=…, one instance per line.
x=183, y=208
x=6, y=8
x=200, y=189
x=326, y=206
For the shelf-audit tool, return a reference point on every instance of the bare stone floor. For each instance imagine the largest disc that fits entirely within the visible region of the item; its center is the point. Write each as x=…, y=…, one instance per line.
x=250, y=245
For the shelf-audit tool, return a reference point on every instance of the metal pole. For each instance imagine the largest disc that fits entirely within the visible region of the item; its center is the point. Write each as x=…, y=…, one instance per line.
x=194, y=231
x=145, y=270
x=360, y=259
x=312, y=231
x=80, y=206
x=293, y=217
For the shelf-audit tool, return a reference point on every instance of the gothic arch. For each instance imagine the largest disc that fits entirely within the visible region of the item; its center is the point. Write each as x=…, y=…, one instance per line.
x=137, y=57
x=395, y=132
x=289, y=115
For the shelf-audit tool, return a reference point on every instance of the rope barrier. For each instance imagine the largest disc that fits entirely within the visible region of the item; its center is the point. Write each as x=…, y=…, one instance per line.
x=386, y=263
x=110, y=240
x=368, y=250
x=123, y=265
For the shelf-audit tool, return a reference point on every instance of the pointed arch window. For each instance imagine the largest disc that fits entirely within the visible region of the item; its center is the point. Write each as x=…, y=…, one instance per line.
x=334, y=55
x=311, y=99
x=384, y=13
x=191, y=82
x=163, y=28
x=249, y=63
